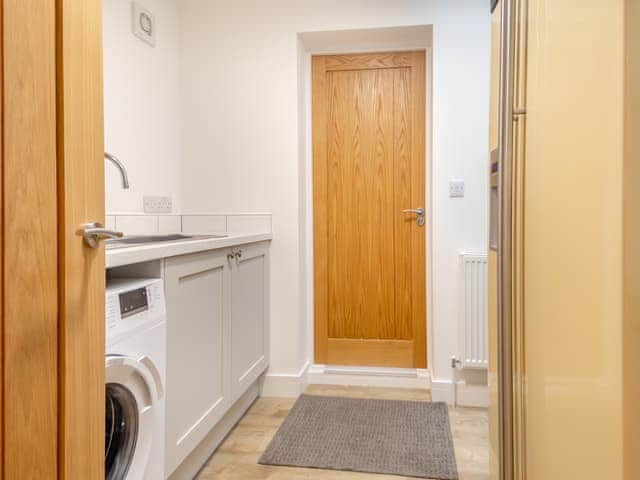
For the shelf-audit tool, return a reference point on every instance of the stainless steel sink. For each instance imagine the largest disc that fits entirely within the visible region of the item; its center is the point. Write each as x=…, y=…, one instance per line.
x=133, y=240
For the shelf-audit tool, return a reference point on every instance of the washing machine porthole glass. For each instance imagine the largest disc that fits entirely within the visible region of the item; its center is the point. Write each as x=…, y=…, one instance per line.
x=121, y=431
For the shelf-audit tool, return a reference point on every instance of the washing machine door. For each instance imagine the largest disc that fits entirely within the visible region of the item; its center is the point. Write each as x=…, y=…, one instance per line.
x=133, y=388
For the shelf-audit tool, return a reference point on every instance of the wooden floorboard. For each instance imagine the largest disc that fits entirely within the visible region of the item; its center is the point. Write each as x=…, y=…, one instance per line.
x=237, y=457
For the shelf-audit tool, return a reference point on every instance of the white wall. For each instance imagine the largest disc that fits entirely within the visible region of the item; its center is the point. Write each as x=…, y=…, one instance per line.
x=460, y=150
x=241, y=125
x=141, y=97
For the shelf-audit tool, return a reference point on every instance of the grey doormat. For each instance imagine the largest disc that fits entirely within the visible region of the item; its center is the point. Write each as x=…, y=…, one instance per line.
x=411, y=439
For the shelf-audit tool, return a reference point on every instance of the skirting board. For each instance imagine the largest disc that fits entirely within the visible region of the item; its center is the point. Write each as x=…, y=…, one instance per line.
x=197, y=459
x=287, y=385
x=469, y=395
x=294, y=384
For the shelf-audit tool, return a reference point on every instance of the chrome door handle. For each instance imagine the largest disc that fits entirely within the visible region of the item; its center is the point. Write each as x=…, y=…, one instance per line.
x=419, y=212
x=94, y=232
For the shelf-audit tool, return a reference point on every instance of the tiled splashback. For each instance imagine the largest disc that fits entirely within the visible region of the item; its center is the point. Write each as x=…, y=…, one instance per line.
x=139, y=224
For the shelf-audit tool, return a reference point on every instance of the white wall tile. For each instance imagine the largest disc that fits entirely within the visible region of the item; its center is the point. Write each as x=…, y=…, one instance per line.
x=137, y=224
x=204, y=223
x=249, y=223
x=110, y=222
x=169, y=223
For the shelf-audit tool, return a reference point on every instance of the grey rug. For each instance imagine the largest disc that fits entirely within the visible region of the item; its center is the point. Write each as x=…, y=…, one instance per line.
x=412, y=439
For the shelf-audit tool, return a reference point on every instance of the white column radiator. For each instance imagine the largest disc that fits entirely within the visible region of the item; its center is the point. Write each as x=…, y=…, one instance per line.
x=474, y=335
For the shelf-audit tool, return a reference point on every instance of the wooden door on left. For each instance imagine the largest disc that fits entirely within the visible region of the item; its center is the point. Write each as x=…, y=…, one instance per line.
x=52, y=286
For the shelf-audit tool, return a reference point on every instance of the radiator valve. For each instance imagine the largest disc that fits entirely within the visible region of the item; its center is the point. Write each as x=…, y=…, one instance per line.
x=455, y=363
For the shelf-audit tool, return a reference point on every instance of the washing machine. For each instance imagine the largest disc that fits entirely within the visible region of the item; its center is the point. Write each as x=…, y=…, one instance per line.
x=135, y=363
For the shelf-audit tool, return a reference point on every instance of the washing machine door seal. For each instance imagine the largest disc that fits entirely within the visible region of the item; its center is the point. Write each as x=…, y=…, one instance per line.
x=133, y=388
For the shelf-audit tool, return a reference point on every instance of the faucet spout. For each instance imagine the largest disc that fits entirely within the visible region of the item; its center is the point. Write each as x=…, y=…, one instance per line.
x=120, y=167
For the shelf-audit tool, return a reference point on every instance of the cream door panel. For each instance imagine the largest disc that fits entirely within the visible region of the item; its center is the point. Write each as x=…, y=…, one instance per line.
x=249, y=316
x=198, y=383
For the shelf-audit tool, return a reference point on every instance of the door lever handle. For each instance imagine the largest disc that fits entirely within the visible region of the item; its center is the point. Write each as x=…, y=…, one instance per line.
x=419, y=212
x=94, y=232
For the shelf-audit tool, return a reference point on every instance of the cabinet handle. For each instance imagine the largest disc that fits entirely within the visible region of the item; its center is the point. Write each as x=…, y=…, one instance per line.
x=234, y=254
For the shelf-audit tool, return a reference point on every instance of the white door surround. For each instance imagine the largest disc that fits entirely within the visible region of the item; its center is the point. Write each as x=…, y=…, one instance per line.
x=342, y=42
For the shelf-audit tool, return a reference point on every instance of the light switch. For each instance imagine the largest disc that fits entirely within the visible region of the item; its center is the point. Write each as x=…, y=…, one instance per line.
x=456, y=188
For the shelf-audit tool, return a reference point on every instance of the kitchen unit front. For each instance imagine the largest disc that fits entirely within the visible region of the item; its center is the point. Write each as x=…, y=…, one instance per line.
x=217, y=337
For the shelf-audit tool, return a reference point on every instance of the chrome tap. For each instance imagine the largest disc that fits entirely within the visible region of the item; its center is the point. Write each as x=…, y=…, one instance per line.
x=120, y=166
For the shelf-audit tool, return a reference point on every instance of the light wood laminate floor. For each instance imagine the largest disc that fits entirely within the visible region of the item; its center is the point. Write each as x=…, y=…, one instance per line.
x=237, y=457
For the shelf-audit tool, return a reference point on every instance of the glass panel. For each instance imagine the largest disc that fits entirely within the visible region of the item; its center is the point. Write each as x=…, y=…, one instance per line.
x=121, y=431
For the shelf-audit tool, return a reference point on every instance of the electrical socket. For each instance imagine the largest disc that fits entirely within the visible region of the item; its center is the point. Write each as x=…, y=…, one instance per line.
x=153, y=204
x=456, y=188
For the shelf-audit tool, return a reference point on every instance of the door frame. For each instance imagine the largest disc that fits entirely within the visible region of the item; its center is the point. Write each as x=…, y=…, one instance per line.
x=306, y=180
x=511, y=249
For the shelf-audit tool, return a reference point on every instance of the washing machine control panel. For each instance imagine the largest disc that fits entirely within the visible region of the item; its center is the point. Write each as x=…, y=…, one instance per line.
x=132, y=304
x=133, y=301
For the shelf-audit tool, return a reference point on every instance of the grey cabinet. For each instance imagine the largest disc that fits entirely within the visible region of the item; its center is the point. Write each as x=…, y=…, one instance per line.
x=217, y=338
x=249, y=316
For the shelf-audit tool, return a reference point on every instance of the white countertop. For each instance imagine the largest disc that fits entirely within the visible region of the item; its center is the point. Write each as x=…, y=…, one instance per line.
x=118, y=257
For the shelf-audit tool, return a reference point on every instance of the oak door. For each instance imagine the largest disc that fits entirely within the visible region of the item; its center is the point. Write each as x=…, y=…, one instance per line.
x=52, y=290
x=369, y=201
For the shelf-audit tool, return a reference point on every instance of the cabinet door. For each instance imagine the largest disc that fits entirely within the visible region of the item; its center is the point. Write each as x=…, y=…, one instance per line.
x=249, y=316
x=198, y=354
